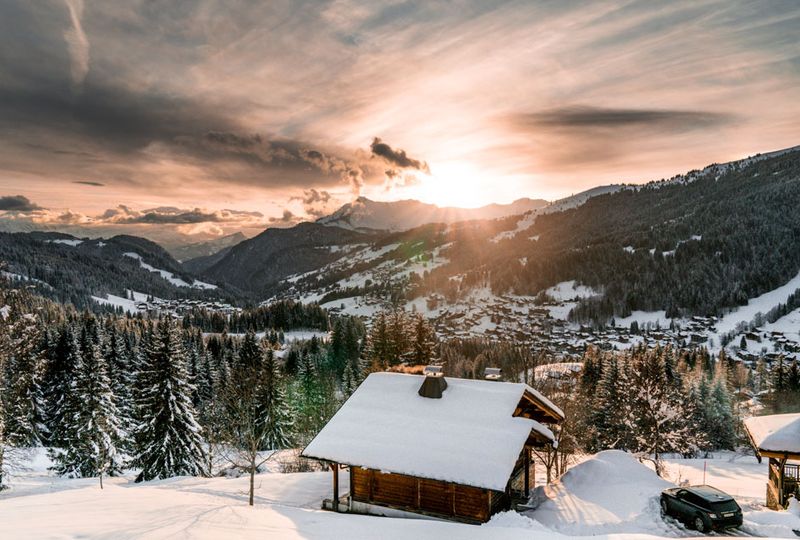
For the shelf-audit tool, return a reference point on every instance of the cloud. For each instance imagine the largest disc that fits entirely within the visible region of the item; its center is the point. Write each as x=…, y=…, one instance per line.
x=88, y=183
x=172, y=94
x=398, y=157
x=18, y=203
x=588, y=117
x=287, y=218
x=176, y=216
x=77, y=43
x=316, y=203
x=569, y=137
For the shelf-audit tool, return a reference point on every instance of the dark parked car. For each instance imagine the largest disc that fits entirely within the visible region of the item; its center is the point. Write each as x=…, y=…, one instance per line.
x=701, y=507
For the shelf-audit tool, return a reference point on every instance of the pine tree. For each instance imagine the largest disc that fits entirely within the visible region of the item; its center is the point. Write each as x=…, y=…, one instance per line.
x=92, y=426
x=399, y=342
x=274, y=409
x=592, y=371
x=121, y=376
x=61, y=373
x=607, y=420
x=378, y=350
x=722, y=434
x=168, y=440
x=424, y=342
x=250, y=352
x=657, y=410
x=23, y=394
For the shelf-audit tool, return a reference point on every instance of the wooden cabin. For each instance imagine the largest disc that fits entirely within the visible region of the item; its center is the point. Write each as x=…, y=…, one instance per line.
x=423, y=445
x=777, y=437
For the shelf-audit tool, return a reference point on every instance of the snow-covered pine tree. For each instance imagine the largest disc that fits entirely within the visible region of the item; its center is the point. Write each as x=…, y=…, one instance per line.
x=423, y=345
x=4, y=352
x=719, y=414
x=377, y=351
x=91, y=426
x=657, y=409
x=24, y=406
x=399, y=336
x=273, y=408
x=61, y=372
x=120, y=374
x=352, y=377
x=168, y=437
x=608, y=420
x=250, y=352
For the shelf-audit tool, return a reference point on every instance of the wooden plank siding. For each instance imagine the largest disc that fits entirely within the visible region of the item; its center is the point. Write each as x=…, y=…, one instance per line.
x=424, y=496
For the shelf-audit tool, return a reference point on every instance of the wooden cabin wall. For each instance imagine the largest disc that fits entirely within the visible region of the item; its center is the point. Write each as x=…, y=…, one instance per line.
x=422, y=495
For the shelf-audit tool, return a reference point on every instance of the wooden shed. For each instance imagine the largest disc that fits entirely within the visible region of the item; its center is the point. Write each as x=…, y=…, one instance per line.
x=777, y=437
x=462, y=453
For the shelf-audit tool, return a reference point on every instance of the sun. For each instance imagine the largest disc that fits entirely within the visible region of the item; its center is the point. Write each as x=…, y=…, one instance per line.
x=457, y=184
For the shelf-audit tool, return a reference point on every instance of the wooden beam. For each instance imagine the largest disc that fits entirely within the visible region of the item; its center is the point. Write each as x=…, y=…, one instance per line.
x=371, y=483
x=781, y=496
x=527, y=464
x=335, y=469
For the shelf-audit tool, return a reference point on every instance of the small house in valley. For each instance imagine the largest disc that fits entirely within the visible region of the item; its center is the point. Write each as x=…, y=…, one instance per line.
x=777, y=437
x=451, y=448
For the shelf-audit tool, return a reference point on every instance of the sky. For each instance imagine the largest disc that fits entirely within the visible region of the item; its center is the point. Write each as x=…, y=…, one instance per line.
x=206, y=116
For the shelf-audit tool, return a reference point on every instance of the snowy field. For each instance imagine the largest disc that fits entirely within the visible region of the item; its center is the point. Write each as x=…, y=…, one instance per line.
x=610, y=495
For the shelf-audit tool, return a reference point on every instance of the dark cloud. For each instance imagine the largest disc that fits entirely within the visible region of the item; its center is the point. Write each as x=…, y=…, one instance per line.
x=586, y=117
x=316, y=203
x=567, y=138
x=174, y=216
x=397, y=157
x=88, y=183
x=18, y=203
x=286, y=219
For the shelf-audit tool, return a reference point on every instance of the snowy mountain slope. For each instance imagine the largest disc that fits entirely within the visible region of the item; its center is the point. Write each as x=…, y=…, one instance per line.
x=686, y=248
x=74, y=270
x=366, y=214
x=169, y=276
x=258, y=263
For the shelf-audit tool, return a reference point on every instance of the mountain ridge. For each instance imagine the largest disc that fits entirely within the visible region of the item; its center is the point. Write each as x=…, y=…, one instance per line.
x=366, y=214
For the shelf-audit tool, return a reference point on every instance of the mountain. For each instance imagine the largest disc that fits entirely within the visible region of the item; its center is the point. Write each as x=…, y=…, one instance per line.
x=256, y=264
x=208, y=248
x=701, y=244
x=71, y=269
x=365, y=214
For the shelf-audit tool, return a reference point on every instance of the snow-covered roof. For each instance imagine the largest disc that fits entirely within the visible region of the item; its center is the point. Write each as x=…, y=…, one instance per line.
x=778, y=433
x=469, y=436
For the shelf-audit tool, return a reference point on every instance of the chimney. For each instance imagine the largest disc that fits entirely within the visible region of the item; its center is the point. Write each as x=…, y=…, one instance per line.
x=493, y=374
x=434, y=383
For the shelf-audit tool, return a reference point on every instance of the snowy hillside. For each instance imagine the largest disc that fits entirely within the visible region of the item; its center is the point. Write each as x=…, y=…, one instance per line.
x=608, y=496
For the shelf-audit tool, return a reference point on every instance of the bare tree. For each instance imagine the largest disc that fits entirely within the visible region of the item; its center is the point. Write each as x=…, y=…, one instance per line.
x=243, y=429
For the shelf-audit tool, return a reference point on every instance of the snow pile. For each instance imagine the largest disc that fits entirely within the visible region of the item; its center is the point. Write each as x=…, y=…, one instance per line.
x=770, y=523
x=609, y=493
x=514, y=520
x=793, y=507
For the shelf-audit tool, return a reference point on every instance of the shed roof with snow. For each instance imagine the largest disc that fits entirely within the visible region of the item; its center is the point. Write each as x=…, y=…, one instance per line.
x=473, y=435
x=776, y=434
